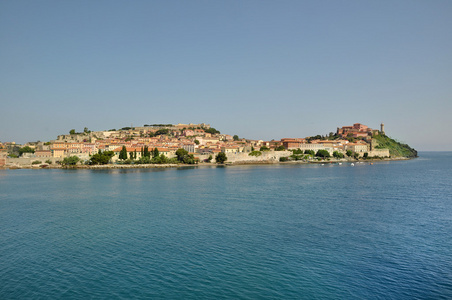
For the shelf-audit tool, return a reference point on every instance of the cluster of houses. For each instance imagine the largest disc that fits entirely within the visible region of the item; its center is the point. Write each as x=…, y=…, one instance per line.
x=197, y=139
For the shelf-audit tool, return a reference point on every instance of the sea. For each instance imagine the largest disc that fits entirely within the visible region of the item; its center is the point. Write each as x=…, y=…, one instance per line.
x=283, y=231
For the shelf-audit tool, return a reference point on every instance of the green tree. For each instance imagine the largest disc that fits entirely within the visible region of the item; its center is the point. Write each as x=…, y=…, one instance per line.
x=298, y=151
x=212, y=130
x=264, y=148
x=221, y=158
x=25, y=149
x=356, y=155
x=180, y=153
x=155, y=152
x=162, y=131
x=196, y=142
x=349, y=153
x=209, y=159
x=123, y=153
x=337, y=154
x=280, y=148
x=85, y=130
x=101, y=158
x=72, y=131
x=235, y=137
x=322, y=153
x=146, y=152
x=184, y=157
x=310, y=152
x=70, y=161
x=366, y=155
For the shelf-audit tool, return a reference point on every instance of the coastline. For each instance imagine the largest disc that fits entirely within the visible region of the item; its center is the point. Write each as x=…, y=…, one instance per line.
x=238, y=163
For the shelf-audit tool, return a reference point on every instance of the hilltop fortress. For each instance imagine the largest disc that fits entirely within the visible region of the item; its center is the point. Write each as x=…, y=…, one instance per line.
x=359, y=130
x=201, y=141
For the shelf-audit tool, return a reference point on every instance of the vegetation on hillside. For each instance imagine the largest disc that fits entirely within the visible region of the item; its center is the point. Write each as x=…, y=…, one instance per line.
x=395, y=148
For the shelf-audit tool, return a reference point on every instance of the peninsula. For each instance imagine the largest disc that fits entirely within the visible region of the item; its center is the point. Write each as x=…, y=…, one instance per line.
x=172, y=145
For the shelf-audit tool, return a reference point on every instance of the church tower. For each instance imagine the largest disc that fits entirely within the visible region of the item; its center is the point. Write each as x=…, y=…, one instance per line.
x=382, y=128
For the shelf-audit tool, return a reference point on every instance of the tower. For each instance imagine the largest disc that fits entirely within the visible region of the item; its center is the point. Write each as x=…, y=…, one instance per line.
x=382, y=128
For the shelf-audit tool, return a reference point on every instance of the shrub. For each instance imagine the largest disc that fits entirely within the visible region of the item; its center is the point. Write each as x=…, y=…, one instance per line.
x=70, y=161
x=282, y=159
x=36, y=162
x=48, y=162
x=255, y=153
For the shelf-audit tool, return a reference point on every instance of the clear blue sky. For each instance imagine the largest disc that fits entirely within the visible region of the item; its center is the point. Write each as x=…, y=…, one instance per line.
x=259, y=69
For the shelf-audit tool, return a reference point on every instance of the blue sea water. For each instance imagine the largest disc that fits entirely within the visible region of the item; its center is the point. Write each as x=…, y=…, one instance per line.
x=381, y=231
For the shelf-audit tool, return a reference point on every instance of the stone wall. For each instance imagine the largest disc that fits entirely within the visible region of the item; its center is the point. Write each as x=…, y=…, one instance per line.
x=244, y=157
x=379, y=152
x=27, y=161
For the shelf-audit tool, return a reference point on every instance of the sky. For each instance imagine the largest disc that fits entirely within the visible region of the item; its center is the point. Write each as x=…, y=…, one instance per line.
x=259, y=69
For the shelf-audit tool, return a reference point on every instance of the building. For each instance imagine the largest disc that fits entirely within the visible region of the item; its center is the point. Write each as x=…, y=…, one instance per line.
x=290, y=143
x=357, y=130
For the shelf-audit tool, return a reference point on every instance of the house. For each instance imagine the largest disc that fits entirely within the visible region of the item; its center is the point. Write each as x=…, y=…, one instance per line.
x=58, y=149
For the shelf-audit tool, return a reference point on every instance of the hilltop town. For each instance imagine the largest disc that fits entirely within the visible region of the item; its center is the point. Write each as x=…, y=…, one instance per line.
x=198, y=143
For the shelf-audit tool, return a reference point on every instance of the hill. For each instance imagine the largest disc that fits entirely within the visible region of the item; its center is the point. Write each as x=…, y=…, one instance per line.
x=395, y=148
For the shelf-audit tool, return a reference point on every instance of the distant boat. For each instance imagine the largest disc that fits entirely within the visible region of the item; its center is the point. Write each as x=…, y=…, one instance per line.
x=352, y=164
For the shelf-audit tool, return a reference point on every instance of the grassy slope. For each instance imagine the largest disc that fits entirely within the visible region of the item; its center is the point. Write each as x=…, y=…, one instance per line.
x=395, y=148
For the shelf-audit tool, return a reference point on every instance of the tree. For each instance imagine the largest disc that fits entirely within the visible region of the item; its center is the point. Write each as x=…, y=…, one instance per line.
x=337, y=154
x=310, y=152
x=162, y=131
x=25, y=149
x=101, y=158
x=85, y=130
x=123, y=153
x=280, y=148
x=155, y=152
x=146, y=152
x=264, y=148
x=356, y=155
x=72, y=131
x=322, y=153
x=221, y=158
x=212, y=130
x=196, y=142
x=299, y=151
x=349, y=153
x=235, y=137
x=366, y=155
x=209, y=159
x=183, y=156
x=70, y=161
x=180, y=153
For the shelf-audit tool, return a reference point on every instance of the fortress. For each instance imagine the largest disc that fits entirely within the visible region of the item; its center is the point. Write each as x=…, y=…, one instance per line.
x=359, y=130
